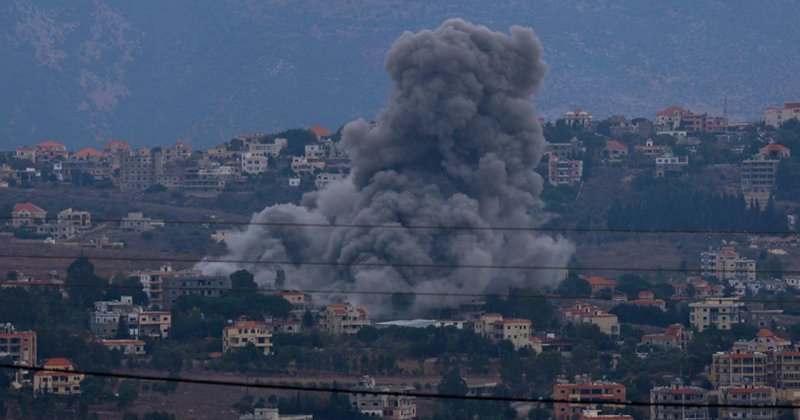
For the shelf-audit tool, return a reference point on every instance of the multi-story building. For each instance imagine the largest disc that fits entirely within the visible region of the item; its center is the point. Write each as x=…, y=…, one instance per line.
x=590, y=314
x=390, y=407
x=734, y=402
x=136, y=170
x=136, y=222
x=27, y=214
x=79, y=219
x=765, y=341
x=187, y=284
x=564, y=171
x=676, y=336
x=128, y=347
x=775, y=151
x=25, y=153
x=740, y=368
x=614, y=151
x=244, y=332
x=669, y=164
x=570, y=150
x=680, y=402
x=153, y=324
x=497, y=329
x=650, y=149
x=725, y=264
x=109, y=315
x=720, y=312
x=273, y=414
x=344, y=318
x=602, y=392
x=787, y=374
x=20, y=346
x=325, y=178
x=676, y=118
x=775, y=117
x=254, y=163
x=58, y=379
x=758, y=179
x=49, y=151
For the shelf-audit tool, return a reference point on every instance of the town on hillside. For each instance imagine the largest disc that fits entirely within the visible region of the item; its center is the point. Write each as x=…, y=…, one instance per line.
x=683, y=288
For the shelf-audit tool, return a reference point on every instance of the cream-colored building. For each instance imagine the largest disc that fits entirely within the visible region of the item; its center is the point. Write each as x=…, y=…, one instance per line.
x=58, y=379
x=496, y=329
x=775, y=117
x=739, y=368
x=344, y=318
x=245, y=332
x=721, y=312
x=590, y=314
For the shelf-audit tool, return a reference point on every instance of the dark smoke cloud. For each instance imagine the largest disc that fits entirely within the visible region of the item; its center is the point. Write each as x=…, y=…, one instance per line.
x=456, y=145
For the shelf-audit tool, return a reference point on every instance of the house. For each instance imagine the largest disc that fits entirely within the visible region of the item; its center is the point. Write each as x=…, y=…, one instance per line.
x=389, y=407
x=182, y=284
x=244, y=332
x=669, y=164
x=775, y=151
x=79, y=219
x=344, y=318
x=153, y=324
x=497, y=329
x=320, y=131
x=646, y=298
x=650, y=149
x=127, y=347
x=765, y=341
x=600, y=284
x=674, y=397
x=109, y=315
x=749, y=401
x=136, y=222
x=564, y=171
x=116, y=146
x=614, y=151
x=48, y=151
x=720, y=312
x=58, y=379
x=605, y=393
x=25, y=153
x=676, y=336
x=273, y=414
x=20, y=346
x=725, y=264
x=586, y=313
x=577, y=116
x=552, y=343
x=756, y=315
x=27, y=214
x=775, y=117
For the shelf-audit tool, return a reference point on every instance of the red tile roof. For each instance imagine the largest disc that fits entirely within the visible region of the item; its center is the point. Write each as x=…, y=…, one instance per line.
x=774, y=147
x=613, y=144
x=320, y=131
x=29, y=207
x=600, y=281
x=50, y=144
x=116, y=144
x=57, y=362
x=88, y=152
x=669, y=111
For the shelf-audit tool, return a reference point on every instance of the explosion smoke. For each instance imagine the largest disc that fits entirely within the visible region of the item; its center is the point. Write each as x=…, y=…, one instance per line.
x=456, y=145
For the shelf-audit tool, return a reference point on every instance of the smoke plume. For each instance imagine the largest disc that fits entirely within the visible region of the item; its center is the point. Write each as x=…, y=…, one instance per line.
x=456, y=145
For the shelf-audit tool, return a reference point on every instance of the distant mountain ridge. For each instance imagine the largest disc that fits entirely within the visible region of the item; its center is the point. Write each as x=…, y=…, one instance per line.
x=154, y=72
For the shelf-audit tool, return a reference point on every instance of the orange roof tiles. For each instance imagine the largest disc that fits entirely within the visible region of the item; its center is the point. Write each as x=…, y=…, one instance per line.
x=116, y=144
x=88, y=152
x=320, y=131
x=613, y=144
x=669, y=111
x=774, y=147
x=600, y=281
x=50, y=144
x=57, y=362
x=29, y=207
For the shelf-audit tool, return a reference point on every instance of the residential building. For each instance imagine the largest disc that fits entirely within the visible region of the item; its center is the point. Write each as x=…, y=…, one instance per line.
x=570, y=150
x=590, y=314
x=765, y=341
x=552, y=343
x=650, y=149
x=244, y=332
x=676, y=395
x=787, y=374
x=758, y=179
x=323, y=179
x=600, y=284
x=20, y=346
x=344, y=318
x=185, y=284
x=676, y=336
x=775, y=151
x=390, y=407
x=49, y=151
x=152, y=284
x=646, y=298
x=677, y=118
x=25, y=153
x=735, y=399
x=27, y=214
x=720, y=312
x=497, y=329
x=136, y=222
x=80, y=219
x=58, y=379
x=754, y=314
x=583, y=388
x=564, y=171
x=153, y=324
x=273, y=414
x=109, y=315
x=254, y=163
x=127, y=347
x=597, y=414
x=136, y=170
x=669, y=164
x=577, y=116
x=739, y=369
x=775, y=117
x=614, y=151
x=725, y=264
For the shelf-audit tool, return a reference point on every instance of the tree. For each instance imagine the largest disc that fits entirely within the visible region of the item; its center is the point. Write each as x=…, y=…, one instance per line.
x=122, y=329
x=243, y=280
x=127, y=394
x=83, y=286
x=574, y=286
x=452, y=383
x=308, y=319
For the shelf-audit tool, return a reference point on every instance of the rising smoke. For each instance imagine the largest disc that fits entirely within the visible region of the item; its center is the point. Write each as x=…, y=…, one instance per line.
x=456, y=145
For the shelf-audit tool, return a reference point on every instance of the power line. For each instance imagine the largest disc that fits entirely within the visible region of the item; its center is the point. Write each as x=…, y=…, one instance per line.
x=334, y=390
x=455, y=227
x=387, y=264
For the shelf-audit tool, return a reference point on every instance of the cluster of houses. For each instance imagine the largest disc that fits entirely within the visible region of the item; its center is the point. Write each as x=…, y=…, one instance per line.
x=176, y=167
